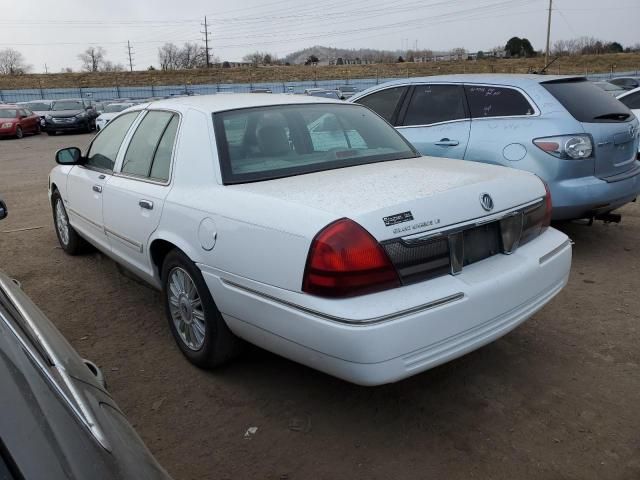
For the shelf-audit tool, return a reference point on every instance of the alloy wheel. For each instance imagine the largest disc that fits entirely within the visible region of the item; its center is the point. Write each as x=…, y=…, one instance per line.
x=62, y=222
x=185, y=306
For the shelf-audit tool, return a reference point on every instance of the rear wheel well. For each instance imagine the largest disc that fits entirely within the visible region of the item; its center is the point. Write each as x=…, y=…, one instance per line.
x=54, y=188
x=159, y=250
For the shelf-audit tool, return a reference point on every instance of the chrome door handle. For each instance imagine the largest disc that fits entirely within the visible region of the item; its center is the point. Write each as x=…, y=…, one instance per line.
x=445, y=142
x=146, y=204
x=97, y=188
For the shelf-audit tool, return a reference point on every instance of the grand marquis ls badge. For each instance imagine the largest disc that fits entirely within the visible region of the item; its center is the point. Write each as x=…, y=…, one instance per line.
x=486, y=201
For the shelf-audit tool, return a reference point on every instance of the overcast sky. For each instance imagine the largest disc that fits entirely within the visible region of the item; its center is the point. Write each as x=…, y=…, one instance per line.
x=54, y=32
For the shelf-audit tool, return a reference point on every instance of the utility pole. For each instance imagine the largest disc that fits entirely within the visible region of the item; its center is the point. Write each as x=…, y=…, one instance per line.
x=130, y=58
x=206, y=34
x=546, y=53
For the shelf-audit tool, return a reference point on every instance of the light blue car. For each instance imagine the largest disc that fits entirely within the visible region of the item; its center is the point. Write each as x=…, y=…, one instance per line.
x=572, y=134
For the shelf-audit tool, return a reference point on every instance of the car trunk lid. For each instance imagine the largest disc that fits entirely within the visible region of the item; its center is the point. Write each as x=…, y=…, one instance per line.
x=405, y=197
x=615, y=146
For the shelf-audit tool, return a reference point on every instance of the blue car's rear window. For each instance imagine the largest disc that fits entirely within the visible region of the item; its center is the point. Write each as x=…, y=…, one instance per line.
x=587, y=102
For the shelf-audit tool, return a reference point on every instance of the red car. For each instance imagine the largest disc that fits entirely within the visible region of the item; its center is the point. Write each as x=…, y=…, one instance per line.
x=15, y=121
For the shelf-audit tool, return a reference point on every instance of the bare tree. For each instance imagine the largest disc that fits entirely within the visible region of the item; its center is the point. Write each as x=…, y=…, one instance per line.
x=459, y=53
x=92, y=59
x=192, y=55
x=254, y=58
x=66, y=70
x=108, y=66
x=12, y=62
x=169, y=56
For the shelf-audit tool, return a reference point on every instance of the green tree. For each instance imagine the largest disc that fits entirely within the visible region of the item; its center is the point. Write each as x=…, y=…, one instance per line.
x=615, y=47
x=513, y=46
x=527, y=49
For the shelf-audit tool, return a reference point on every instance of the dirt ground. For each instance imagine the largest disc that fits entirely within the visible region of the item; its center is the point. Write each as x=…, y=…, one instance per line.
x=558, y=398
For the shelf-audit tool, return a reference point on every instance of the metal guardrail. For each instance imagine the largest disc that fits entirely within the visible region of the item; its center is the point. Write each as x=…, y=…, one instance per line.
x=109, y=93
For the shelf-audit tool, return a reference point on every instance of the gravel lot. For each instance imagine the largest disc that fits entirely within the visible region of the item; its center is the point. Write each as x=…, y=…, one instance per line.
x=558, y=398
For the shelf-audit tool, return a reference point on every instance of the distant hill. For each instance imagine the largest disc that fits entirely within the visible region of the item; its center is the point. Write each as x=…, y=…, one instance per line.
x=327, y=54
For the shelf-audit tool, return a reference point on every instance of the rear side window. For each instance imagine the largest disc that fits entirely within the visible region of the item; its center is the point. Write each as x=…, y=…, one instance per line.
x=145, y=144
x=384, y=102
x=104, y=148
x=435, y=103
x=632, y=101
x=162, y=159
x=487, y=101
x=587, y=102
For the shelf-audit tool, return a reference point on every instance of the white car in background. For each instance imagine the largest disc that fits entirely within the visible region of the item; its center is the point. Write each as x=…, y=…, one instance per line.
x=110, y=111
x=631, y=99
x=310, y=228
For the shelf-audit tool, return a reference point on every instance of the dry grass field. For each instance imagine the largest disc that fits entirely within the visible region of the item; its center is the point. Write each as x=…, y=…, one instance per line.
x=565, y=65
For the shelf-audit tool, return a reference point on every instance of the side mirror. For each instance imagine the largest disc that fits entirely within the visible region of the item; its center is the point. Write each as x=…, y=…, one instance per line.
x=3, y=210
x=68, y=156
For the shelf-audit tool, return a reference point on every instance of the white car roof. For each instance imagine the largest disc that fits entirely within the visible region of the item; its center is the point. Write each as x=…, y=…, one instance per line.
x=219, y=103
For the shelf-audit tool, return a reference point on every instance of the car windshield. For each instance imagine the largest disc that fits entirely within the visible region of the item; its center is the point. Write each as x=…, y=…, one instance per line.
x=39, y=107
x=116, y=107
x=67, y=105
x=264, y=143
x=587, y=102
x=346, y=88
x=6, y=113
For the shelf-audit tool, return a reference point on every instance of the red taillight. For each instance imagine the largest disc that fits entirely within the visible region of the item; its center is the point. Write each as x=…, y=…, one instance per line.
x=345, y=260
x=548, y=207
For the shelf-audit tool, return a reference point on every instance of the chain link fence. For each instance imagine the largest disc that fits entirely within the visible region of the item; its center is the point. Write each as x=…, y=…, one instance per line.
x=135, y=93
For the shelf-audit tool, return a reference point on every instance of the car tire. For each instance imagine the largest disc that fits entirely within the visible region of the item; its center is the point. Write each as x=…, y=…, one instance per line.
x=37, y=130
x=195, y=322
x=70, y=241
x=51, y=133
x=19, y=132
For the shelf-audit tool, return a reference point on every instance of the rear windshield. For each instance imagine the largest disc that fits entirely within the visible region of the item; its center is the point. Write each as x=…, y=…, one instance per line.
x=39, y=107
x=587, y=102
x=279, y=141
x=58, y=106
x=4, y=113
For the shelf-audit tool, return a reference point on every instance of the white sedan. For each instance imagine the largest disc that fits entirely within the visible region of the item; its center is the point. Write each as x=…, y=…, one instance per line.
x=310, y=228
x=110, y=111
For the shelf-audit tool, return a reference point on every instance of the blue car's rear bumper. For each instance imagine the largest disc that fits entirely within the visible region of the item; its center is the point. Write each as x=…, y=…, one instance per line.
x=588, y=196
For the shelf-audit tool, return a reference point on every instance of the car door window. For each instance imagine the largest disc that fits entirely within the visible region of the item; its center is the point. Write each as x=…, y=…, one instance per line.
x=487, y=101
x=434, y=104
x=162, y=159
x=385, y=102
x=631, y=101
x=104, y=149
x=144, y=143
